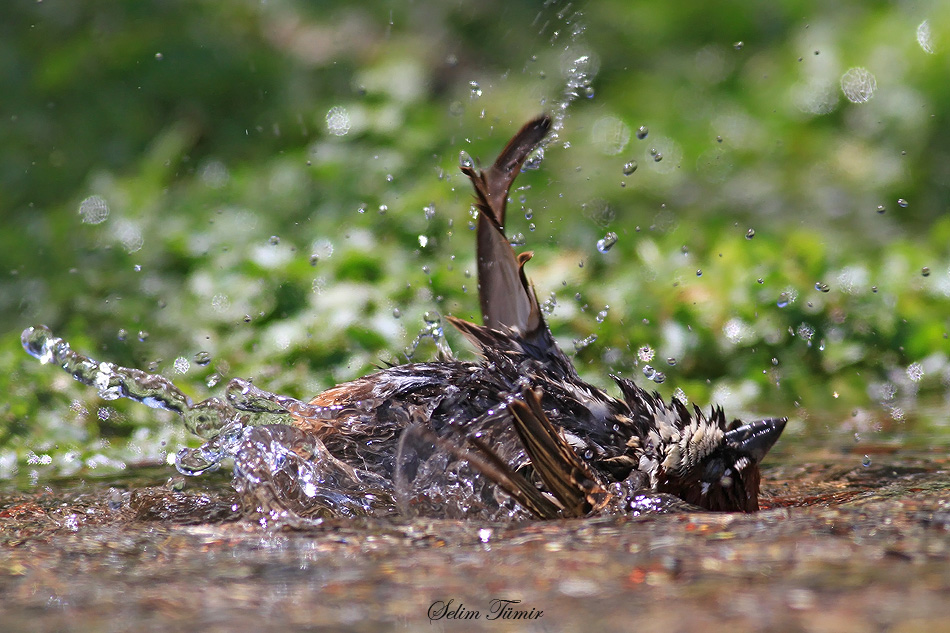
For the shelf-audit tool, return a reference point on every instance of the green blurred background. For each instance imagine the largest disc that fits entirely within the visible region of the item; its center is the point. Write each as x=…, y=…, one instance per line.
x=270, y=190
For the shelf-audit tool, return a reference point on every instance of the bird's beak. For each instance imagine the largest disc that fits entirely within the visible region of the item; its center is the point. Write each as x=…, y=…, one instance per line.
x=756, y=438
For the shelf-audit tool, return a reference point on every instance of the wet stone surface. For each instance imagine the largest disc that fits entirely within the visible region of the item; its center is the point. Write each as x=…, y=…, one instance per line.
x=839, y=547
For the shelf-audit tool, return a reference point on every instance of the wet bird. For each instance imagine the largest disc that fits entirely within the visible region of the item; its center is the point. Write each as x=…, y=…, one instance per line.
x=515, y=434
x=521, y=420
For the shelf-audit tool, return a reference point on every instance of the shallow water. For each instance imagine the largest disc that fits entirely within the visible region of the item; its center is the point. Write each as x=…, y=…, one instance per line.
x=849, y=538
x=839, y=547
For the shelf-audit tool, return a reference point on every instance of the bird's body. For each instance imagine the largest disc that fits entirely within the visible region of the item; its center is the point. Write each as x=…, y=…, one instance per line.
x=521, y=419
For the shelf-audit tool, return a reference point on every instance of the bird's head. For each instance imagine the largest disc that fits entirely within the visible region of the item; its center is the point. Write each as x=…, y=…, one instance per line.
x=712, y=467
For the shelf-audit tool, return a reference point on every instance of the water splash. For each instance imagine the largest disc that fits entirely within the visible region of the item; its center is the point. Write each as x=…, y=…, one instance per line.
x=580, y=344
x=282, y=473
x=431, y=330
x=204, y=419
x=607, y=242
x=579, y=65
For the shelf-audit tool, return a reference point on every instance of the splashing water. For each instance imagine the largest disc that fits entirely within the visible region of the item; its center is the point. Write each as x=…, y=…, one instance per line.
x=607, y=242
x=204, y=419
x=281, y=472
x=431, y=330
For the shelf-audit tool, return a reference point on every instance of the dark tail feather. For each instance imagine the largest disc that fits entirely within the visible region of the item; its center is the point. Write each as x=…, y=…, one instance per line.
x=492, y=184
x=564, y=475
x=506, y=297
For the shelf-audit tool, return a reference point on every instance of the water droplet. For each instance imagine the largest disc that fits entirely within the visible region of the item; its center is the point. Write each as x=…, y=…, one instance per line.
x=645, y=353
x=866, y=461
x=580, y=344
x=858, y=85
x=143, y=336
x=607, y=242
x=657, y=157
x=518, y=239
x=760, y=280
x=533, y=162
x=203, y=358
x=423, y=241
x=699, y=273
x=94, y=210
x=476, y=89
x=338, y=121
x=806, y=332
x=123, y=334
x=589, y=92
x=429, y=211
x=181, y=365
x=602, y=315
x=642, y=132
x=738, y=45
x=925, y=38
x=822, y=287
x=396, y=313
x=873, y=288
x=880, y=208
x=159, y=57
x=915, y=372
x=750, y=234
x=649, y=372
x=465, y=161
x=925, y=271
x=629, y=167
x=274, y=240
x=671, y=361
x=902, y=203
x=774, y=362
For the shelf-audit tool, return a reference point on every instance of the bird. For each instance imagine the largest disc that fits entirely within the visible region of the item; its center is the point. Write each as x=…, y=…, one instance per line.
x=518, y=428
x=516, y=433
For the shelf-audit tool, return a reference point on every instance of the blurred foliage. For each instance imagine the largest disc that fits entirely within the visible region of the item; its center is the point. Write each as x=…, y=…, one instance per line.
x=275, y=185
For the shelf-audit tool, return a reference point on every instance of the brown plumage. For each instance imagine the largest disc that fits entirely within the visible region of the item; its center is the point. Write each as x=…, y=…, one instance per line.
x=522, y=419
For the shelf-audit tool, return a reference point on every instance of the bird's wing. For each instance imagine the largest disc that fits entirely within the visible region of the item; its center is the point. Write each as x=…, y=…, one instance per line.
x=566, y=477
